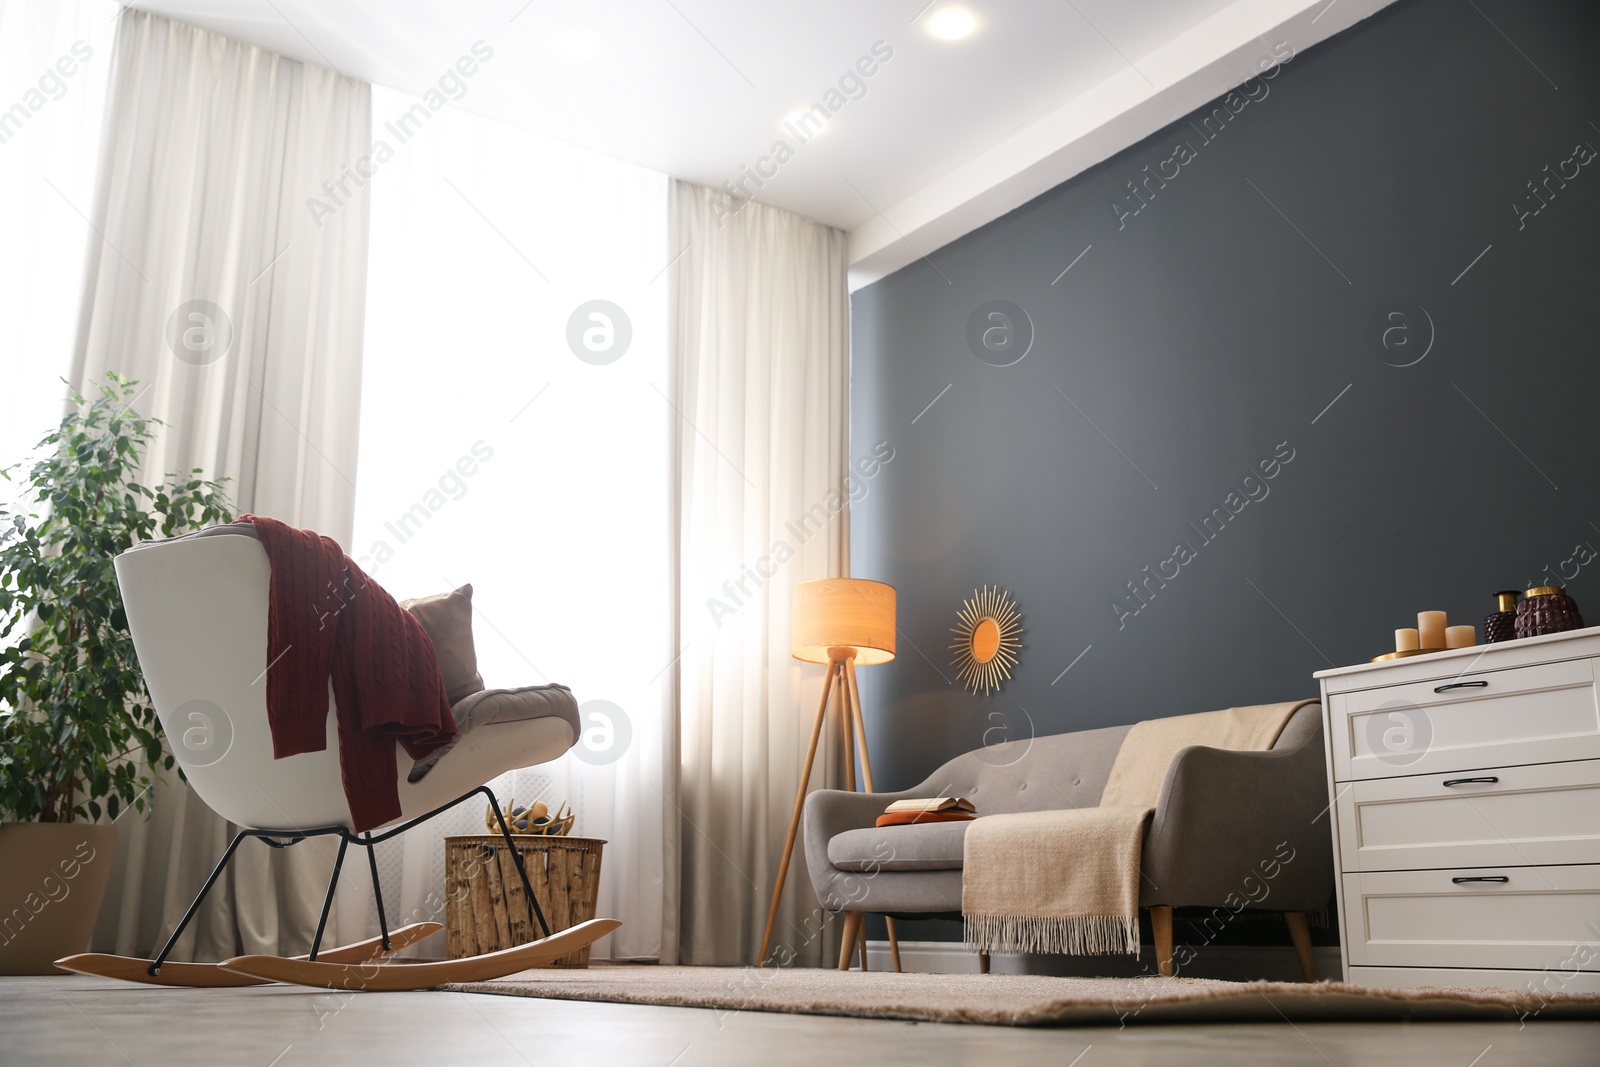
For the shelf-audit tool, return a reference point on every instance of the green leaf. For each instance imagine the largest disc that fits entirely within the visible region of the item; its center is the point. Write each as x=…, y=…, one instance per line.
x=78, y=736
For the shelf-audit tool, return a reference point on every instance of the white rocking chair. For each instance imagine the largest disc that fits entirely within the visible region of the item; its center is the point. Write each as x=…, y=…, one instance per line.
x=197, y=610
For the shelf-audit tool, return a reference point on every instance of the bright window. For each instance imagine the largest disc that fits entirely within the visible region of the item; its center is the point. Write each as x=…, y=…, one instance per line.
x=505, y=443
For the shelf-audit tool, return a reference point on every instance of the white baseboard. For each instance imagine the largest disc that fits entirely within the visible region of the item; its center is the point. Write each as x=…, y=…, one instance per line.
x=1238, y=963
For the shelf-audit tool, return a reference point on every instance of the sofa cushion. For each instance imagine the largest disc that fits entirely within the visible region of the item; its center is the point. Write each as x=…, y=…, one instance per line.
x=927, y=847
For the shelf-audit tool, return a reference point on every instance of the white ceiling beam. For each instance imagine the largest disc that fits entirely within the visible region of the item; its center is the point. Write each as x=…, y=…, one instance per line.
x=1155, y=90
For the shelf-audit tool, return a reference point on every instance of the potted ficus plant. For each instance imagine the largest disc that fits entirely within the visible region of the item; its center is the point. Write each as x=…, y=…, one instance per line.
x=79, y=739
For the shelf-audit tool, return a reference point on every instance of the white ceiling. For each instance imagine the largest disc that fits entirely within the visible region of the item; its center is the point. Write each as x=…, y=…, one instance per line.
x=947, y=135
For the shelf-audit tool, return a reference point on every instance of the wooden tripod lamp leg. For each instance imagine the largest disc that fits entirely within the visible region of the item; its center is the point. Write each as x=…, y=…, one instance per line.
x=853, y=699
x=848, y=731
x=828, y=684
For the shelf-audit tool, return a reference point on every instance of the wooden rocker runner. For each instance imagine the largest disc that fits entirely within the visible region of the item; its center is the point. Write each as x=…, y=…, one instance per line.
x=354, y=966
x=393, y=977
x=197, y=608
x=208, y=975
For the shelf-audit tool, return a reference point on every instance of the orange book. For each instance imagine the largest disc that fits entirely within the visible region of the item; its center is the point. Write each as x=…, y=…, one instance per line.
x=906, y=818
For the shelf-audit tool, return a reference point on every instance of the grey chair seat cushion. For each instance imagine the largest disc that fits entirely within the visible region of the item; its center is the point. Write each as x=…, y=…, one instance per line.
x=502, y=705
x=932, y=847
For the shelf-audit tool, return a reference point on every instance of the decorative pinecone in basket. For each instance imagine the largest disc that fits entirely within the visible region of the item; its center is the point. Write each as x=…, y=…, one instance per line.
x=1547, y=610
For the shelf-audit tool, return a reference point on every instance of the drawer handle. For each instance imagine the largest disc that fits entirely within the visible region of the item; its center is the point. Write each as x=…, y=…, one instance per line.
x=1473, y=781
x=1481, y=878
x=1479, y=684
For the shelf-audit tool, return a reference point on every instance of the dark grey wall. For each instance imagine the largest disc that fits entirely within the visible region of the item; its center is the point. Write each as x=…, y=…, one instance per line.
x=1196, y=337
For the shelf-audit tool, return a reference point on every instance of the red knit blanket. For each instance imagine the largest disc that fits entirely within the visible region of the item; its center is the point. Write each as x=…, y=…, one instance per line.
x=328, y=620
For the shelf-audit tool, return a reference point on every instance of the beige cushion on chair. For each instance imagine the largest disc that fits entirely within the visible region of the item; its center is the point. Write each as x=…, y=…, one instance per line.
x=448, y=619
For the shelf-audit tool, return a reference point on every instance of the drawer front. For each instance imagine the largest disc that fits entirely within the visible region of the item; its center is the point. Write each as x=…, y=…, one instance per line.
x=1538, y=714
x=1541, y=984
x=1545, y=814
x=1539, y=917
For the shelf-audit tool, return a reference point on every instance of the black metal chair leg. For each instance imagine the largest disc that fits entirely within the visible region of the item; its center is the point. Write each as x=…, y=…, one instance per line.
x=327, y=901
x=377, y=892
x=155, y=968
x=292, y=837
x=516, y=857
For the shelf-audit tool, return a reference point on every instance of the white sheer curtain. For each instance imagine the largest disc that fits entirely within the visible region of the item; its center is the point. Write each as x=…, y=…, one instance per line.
x=55, y=58
x=511, y=440
x=760, y=335
x=240, y=313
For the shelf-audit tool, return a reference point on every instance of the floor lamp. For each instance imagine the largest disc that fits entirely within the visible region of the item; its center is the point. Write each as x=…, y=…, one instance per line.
x=838, y=622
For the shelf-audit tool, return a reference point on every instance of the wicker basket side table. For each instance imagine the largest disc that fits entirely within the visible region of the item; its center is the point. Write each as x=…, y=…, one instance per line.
x=485, y=909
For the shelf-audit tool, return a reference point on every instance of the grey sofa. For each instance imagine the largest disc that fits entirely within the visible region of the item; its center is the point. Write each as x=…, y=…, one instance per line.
x=1232, y=830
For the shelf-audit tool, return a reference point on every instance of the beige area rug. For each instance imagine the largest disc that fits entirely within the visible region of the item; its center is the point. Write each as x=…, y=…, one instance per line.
x=1029, y=1000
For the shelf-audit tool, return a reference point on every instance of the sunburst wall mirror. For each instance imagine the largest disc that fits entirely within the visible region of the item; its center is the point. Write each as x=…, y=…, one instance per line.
x=988, y=640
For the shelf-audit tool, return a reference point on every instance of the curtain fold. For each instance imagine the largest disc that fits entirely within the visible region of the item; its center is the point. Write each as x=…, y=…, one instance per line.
x=55, y=60
x=237, y=304
x=760, y=345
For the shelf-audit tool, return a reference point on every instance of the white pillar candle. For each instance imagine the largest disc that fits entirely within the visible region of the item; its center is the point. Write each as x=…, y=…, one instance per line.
x=1430, y=628
x=1405, y=640
x=1460, y=636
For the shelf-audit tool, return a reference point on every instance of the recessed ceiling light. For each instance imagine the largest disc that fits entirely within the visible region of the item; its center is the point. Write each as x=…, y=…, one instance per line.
x=579, y=45
x=952, y=23
x=806, y=122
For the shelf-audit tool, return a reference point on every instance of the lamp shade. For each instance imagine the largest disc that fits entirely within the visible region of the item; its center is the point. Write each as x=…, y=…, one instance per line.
x=844, y=613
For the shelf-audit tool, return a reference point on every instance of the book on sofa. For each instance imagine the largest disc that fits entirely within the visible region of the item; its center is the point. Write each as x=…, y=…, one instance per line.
x=932, y=804
x=932, y=809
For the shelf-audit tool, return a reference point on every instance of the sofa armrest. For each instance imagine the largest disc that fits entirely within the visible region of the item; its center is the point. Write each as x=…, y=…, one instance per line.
x=1242, y=829
x=828, y=813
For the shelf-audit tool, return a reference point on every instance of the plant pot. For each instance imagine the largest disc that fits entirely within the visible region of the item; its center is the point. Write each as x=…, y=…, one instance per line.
x=52, y=879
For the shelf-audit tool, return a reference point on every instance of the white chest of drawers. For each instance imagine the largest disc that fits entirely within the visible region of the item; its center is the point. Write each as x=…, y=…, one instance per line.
x=1464, y=795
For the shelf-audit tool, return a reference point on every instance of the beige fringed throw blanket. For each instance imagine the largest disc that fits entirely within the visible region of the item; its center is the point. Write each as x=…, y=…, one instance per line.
x=1068, y=881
